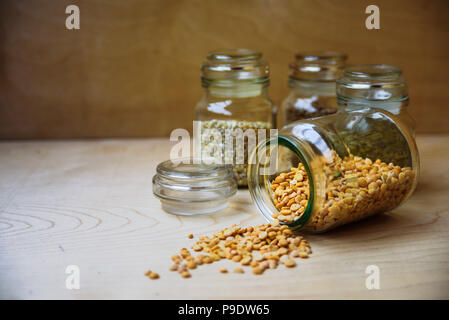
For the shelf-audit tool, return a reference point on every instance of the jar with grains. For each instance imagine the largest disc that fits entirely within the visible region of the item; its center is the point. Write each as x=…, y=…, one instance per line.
x=320, y=174
x=375, y=86
x=312, y=85
x=235, y=104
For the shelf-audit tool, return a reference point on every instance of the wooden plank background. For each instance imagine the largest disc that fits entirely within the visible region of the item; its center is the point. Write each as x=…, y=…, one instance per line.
x=132, y=70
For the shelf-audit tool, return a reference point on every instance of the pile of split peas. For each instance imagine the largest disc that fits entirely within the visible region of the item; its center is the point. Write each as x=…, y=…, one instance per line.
x=355, y=188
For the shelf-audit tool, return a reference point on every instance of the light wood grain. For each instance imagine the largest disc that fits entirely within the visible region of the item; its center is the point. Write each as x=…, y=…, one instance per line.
x=90, y=203
x=133, y=69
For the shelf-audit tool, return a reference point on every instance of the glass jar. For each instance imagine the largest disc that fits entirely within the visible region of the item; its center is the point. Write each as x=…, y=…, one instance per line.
x=328, y=171
x=375, y=86
x=188, y=187
x=312, y=85
x=235, y=100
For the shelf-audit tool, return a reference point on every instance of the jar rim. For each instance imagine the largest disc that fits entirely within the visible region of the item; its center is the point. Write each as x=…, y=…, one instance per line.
x=233, y=55
x=188, y=168
x=226, y=66
x=328, y=56
x=318, y=65
x=258, y=189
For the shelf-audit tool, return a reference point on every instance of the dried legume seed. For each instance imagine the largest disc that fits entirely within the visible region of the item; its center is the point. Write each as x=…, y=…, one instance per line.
x=261, y=247
x=290, y=263
x=210, y=146
x=355, y=188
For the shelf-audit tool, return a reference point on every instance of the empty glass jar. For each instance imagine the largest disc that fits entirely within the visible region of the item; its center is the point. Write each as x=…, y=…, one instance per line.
x=312, y=85
x=235, y=100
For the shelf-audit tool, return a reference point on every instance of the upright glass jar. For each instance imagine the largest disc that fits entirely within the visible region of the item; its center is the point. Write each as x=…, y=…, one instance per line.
x=375, y=86
x=333, y=170
x=235, y=100
x=312, y=85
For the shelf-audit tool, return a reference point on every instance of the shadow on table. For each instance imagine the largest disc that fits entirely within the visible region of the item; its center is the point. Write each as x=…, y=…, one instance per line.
x=382, y=225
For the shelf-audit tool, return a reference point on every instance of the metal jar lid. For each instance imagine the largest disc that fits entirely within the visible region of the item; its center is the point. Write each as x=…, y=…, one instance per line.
x=188, y=188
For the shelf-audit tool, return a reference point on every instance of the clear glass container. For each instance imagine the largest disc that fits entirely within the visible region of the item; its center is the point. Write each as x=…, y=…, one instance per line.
x=328, y=171
x=235, y=97
x=375, y=86
x=189, y=187
x=312, y=85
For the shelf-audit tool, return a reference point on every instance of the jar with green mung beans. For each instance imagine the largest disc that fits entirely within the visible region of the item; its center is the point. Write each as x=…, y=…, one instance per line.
x=235, y=109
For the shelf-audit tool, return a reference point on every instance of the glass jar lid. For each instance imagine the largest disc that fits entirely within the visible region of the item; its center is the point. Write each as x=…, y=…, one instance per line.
x=234, y=64
x=318, y=66
x=188, y=188
x=372, y=82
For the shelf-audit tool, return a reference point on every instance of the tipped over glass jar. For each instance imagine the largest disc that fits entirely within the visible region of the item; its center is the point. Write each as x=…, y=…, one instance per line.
x=324, y=172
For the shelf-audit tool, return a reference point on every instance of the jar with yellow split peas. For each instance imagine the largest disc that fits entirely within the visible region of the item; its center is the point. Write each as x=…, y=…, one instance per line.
x=325, y=172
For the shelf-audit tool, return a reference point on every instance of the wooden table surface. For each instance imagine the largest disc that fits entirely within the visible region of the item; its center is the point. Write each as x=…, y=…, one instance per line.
x=90, y=204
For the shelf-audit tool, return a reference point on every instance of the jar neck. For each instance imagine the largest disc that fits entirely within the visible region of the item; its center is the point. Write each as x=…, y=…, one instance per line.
x=236, y=90
x=318, y=66
x=394, y=106
x=312, y=88
x=372, y=86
